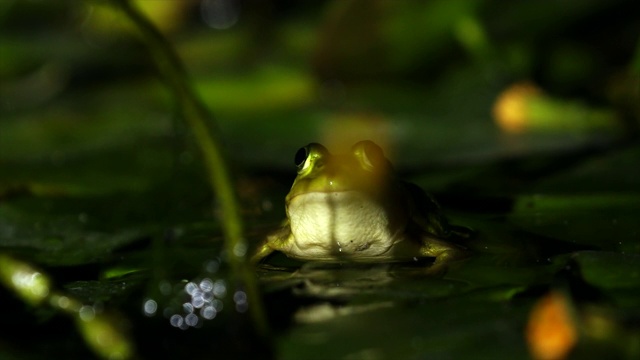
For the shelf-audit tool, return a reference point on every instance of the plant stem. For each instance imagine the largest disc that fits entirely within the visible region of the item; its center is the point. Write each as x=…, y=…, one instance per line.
x=201, y=122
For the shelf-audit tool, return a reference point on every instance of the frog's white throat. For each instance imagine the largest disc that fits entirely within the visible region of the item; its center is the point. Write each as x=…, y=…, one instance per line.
x=341, y=225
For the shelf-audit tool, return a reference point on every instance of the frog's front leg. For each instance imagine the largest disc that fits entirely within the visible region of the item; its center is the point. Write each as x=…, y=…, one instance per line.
x=261, y=252
x=273, y=242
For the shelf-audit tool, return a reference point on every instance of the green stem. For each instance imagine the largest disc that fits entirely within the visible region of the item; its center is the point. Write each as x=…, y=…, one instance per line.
x=201, y=122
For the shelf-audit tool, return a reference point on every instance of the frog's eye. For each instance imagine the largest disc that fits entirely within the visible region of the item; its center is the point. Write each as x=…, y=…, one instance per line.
x=370, y=155
x=310, y=157
x=301, y=157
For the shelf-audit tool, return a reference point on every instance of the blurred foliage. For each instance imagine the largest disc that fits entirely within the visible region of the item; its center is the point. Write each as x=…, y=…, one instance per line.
x=521, y=117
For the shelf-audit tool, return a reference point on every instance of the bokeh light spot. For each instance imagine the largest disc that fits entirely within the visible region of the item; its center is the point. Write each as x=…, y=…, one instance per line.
x=190, y=288
x=219, y=288
x=150, y=307
x=187, y=307
x=240, y=249
x=63, y=302
x=212, y=266
x=511, y=111
x=208, y=312
x=206, y=285
x=551, y=332
x=176, y=320
x=191, y=320
x=165, y=288
x=240, y=298
x=220, y=14
x=87, y=313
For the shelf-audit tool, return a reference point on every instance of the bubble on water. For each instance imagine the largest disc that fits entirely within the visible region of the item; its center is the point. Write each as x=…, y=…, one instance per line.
x=150, y=307
x=191, y=319
x=208, y=312
x=219, y=288
x=206, y=285
x=187, y=307
x=176, y=320
x=197, y=293
x=217, y=304
x=198, y=302
x=204, y=303
x=242, y=307
x=190, y=288
x=240, y=297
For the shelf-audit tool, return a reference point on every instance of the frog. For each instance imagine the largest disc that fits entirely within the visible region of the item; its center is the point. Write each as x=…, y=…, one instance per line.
x=353, y=207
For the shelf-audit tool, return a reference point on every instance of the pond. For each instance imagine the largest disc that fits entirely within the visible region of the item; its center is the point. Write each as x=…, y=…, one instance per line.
x=115, y=240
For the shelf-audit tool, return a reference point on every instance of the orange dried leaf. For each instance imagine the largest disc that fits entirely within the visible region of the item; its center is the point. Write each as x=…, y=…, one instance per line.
x=551, y=332
x=510, y=109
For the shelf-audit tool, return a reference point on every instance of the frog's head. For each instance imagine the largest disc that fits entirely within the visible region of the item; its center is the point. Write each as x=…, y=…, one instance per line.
x=348, y=205
x=364, y=168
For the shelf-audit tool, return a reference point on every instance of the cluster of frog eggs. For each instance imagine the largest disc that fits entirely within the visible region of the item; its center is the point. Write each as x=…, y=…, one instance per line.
x=204, y=301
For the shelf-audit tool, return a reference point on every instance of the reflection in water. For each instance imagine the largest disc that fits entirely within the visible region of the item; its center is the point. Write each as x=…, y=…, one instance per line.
x=341, y=289
x=327, y=311
x=339, y=280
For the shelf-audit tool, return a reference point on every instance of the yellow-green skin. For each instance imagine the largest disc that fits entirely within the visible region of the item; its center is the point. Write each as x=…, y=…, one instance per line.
x=351, y=207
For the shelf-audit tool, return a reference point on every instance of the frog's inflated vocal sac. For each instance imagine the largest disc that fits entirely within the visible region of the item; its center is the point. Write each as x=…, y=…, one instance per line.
x=351, y=207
